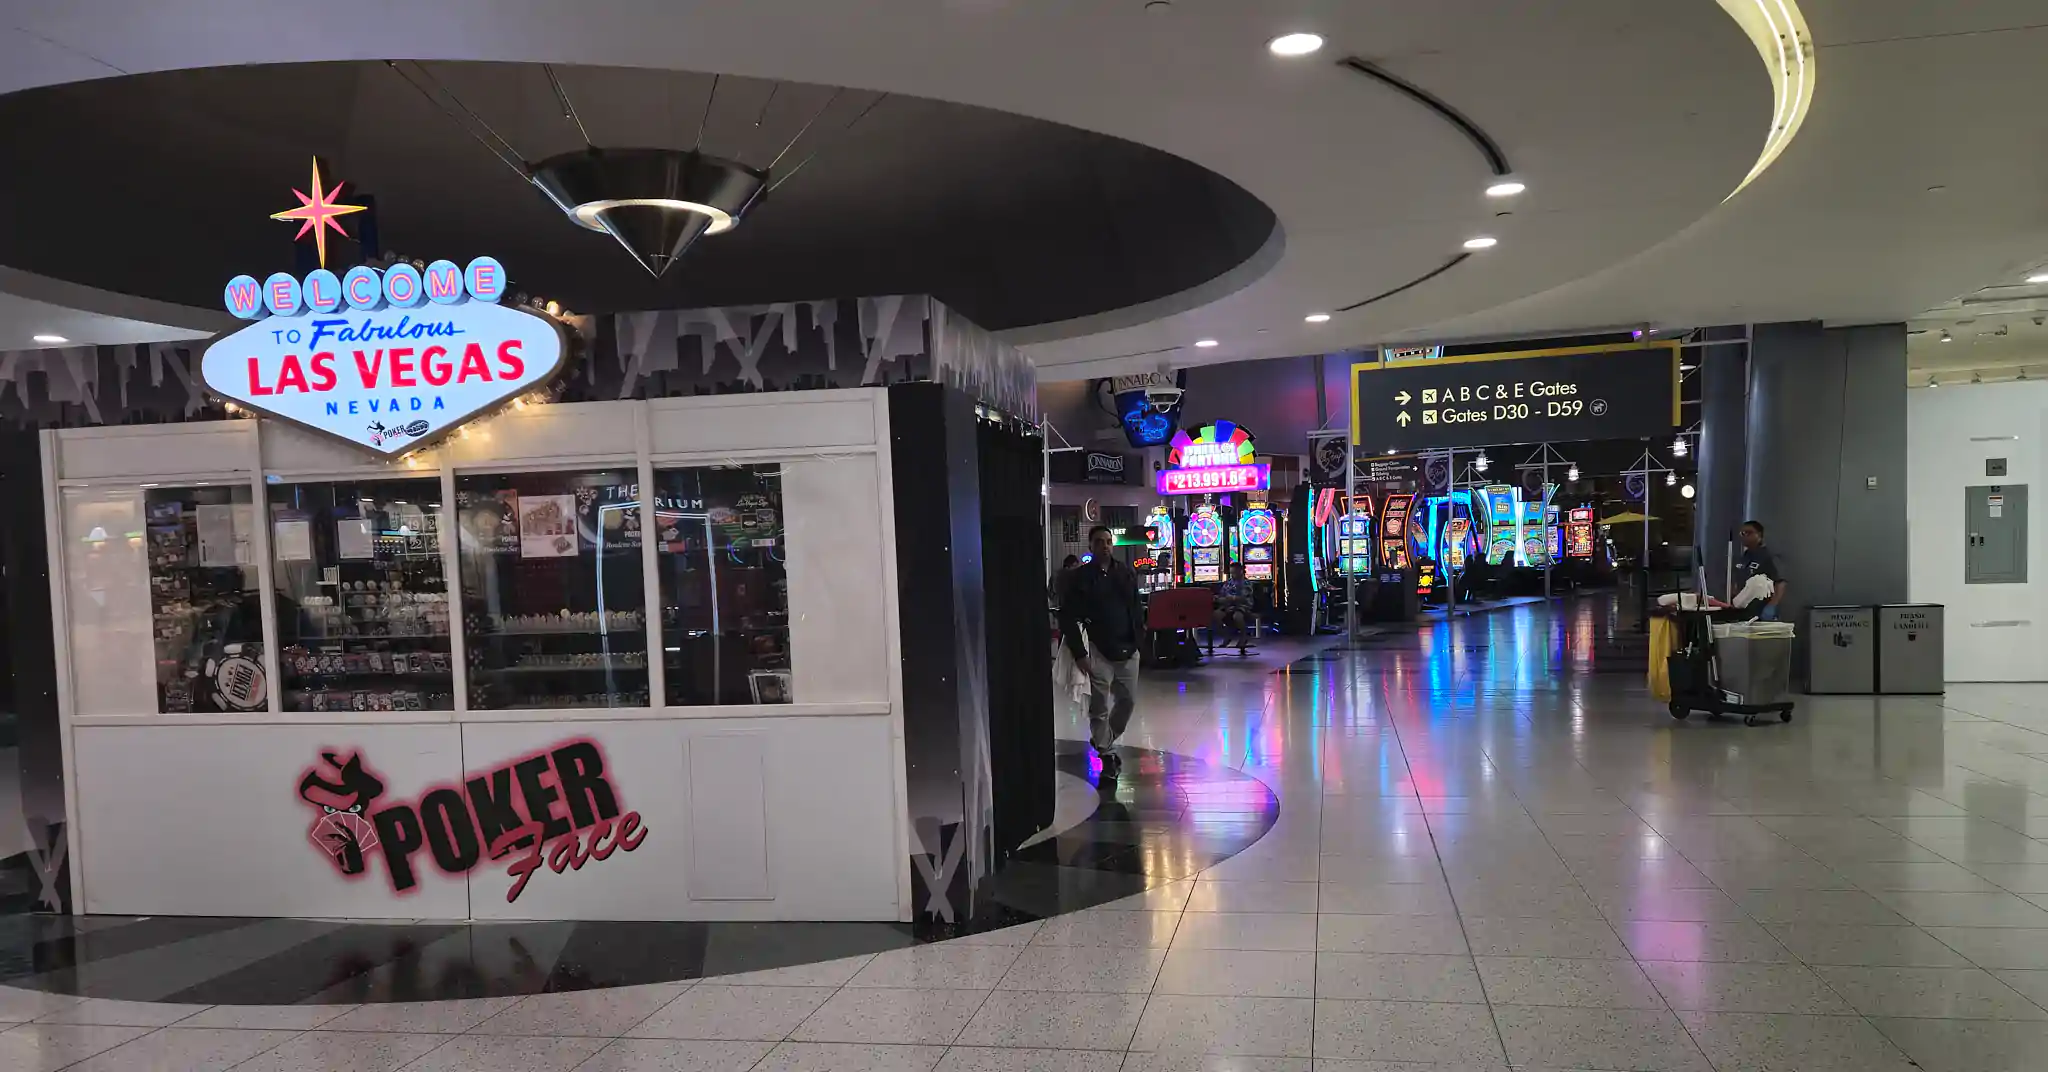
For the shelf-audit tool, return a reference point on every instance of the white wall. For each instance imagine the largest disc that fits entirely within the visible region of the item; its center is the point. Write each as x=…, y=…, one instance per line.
x=1996, y=632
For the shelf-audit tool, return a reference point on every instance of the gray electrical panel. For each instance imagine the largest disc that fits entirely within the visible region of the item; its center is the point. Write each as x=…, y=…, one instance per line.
x=1995, y=534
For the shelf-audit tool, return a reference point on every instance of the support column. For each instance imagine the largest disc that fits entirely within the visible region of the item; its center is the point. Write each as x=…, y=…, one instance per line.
x=1826, y=464
x=1723, y=445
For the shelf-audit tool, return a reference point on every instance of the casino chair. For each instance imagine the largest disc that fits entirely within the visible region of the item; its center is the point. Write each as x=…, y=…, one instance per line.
x=1175, y=613
x=1255, y=622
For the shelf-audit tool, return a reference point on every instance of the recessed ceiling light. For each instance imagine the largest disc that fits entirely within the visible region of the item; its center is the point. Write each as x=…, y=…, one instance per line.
x=1295, y=44
x=1482, y=242
x=1317, y=318
x=51, y=339
x=1206, y=343
x=1505, y=189
x=2038, y=277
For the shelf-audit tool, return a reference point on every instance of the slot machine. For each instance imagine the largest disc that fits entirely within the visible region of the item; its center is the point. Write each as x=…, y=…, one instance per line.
x=1578, y=533
x=1534, y=549
x=1204, y=543
x=1502, y=503
x=1457, y=540
x=1258, y=533
x=1538, y=522
x=1159, y=551
x=1394, y=532
x=1354, y=544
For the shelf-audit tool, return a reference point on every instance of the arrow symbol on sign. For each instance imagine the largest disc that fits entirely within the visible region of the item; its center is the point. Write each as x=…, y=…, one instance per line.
x=1403, y=398
x=1402, y=420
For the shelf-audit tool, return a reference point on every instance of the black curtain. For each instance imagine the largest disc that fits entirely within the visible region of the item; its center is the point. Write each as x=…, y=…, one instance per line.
x=1012, y=457
x=28, y=684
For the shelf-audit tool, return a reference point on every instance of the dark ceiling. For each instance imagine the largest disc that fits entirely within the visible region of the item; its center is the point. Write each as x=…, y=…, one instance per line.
x=162, y=185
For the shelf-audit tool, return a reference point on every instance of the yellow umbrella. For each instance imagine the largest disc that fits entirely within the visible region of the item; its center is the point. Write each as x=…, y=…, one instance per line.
x=1628, y=519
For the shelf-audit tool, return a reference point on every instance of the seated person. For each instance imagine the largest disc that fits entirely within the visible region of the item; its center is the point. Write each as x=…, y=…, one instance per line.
x=1234, y=606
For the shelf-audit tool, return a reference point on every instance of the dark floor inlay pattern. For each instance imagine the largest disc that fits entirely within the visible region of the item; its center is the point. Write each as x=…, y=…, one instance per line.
x=1165, y=818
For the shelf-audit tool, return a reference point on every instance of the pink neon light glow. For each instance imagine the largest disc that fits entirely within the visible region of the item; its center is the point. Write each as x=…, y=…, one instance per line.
x=1214, y=478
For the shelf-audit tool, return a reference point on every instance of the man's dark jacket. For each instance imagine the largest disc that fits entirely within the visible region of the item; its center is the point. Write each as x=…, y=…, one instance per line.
x=1104, y=598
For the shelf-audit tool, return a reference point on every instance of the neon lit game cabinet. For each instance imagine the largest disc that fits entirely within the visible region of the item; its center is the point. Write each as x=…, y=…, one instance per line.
x=1258, y=534
x=1160, y=550
x=1204, y=542
x=1394, y=532
x=1503, y=522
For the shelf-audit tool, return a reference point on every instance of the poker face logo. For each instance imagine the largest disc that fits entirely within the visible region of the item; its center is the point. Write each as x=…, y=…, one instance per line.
x=342, y=791
x=555, y=808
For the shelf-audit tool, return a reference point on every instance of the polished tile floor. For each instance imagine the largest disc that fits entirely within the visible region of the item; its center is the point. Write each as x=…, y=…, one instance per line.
x=1167, y=818
x=1492, y=847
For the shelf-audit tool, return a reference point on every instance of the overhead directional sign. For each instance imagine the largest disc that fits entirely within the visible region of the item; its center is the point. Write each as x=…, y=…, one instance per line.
x=1385, y=469
x=1536, y=396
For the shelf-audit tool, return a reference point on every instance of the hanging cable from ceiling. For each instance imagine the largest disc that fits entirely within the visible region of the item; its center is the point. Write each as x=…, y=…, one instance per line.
x=775, y=181
x=568, y=109
x=705, y=119
x=806, y=128
x=464, y=117
x=763, y=113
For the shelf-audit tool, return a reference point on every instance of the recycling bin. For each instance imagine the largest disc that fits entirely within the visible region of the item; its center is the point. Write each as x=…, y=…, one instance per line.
x=1841, y=650
x=1911, y=649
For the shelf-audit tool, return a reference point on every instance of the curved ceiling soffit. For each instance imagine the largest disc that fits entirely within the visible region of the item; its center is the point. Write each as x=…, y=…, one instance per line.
x=1489, y=149
x=1496, y=159
x=1777, y=28
x=1779, y=31
x=1255, y=244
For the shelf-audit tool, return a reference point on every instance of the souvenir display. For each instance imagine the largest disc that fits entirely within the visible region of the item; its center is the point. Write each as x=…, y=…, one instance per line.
x=724, y=590
x=362, y=600
x=552, y=599
x=206, y=625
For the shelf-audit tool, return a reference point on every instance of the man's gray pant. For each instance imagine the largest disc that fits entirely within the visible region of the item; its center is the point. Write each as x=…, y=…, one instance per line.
x=1109, y=697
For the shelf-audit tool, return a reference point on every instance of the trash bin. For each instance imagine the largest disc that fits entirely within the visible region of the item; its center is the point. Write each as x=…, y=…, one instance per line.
x=1755, y=670
x=1841, y=650
x=1910, y=651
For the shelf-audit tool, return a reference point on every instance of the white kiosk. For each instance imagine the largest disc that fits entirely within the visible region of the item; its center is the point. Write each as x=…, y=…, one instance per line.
x=628, y=660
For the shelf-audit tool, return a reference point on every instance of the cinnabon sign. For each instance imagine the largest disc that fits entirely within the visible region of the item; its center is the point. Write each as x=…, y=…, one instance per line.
x=555, y=808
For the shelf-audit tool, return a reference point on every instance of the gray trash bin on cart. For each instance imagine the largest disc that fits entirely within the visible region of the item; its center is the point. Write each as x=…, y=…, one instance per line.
x=1910, y=652
x=1841, y=650
x=1755, y=670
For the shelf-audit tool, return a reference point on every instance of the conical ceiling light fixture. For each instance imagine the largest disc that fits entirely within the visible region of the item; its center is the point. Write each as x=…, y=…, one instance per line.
x=654, y=202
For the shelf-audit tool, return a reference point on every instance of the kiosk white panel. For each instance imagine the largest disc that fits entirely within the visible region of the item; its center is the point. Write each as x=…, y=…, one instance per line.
x=838, y=593
x=210, y=447
x=828, y=835
x=206, y=820
x=797, y=420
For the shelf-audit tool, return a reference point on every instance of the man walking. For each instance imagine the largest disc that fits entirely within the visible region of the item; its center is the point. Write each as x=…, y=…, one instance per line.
x=1757, y=561
x=1102, y=597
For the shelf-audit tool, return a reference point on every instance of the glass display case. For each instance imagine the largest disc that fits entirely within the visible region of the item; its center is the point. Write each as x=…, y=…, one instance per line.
x=361, y=596
x=724, y=590
x=206, y=622
x=553, y=608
